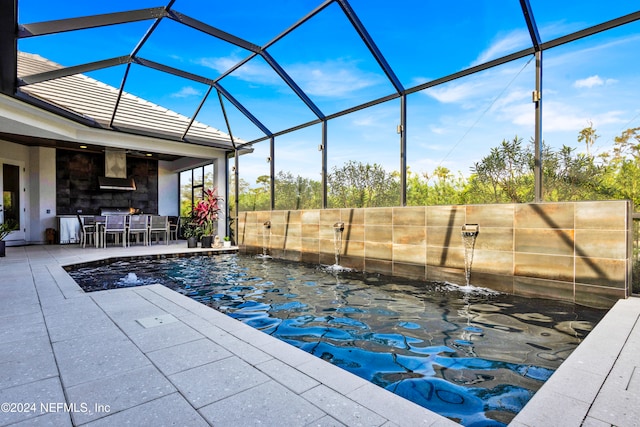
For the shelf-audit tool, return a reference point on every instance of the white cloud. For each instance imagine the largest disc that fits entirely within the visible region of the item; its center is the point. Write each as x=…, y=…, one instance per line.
x=589, y=82
x=333, y=78
x=186, y=92
x=558, y=116
x=253, y=71
x=593, y=81
x=506, y=44
x=455, y=92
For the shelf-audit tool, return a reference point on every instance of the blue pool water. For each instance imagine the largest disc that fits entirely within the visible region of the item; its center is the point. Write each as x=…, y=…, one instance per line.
x=473, y=355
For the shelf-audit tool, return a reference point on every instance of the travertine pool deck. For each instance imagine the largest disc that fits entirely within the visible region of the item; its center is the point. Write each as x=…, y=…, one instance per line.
x=148, y=356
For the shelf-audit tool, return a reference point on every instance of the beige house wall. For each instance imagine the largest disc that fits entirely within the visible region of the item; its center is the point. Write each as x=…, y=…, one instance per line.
x=573, y=251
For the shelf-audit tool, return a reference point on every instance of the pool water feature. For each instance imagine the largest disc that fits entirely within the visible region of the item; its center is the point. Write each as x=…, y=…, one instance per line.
x=473, y=355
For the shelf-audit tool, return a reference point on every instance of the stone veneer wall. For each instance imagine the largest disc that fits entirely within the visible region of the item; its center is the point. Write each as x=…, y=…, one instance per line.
x=78, y=192
x=573, y=251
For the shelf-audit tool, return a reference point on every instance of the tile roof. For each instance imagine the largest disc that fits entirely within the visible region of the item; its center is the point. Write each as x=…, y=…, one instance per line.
x=94, y=100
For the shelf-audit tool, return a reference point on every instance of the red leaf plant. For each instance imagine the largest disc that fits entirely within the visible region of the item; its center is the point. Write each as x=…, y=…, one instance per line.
x=205, y=212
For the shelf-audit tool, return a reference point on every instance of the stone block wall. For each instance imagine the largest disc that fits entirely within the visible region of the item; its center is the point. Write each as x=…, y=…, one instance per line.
x=574, y=251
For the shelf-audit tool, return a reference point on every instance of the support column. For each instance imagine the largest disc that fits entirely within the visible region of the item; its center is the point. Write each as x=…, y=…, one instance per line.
x=236, y=182
x=402, y=130
x=324, y=164
x=272, y=172
x=537, y=99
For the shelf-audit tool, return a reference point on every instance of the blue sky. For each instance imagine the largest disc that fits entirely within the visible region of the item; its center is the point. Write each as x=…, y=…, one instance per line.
x=591, y=81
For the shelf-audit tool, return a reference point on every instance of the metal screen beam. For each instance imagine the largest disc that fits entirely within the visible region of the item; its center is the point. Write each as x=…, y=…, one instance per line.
x=8, y=46
x=226, y=120
x=243, y=110
x=92, y=21
x=292, y=84
x=117, y=104
x=537, y=99
x=175, y=71
x=608, y=25
x=402, y=129
x=325, y=161
x=70, y=71
x=299, y=22
x=212, y=31
x=195, y=114
x=135, y=51
x=371, y=45
x=272, y=173
x=531, y=24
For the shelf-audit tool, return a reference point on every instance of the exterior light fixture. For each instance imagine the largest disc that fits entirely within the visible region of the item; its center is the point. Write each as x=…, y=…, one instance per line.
x=535, y=96
x=83, y=146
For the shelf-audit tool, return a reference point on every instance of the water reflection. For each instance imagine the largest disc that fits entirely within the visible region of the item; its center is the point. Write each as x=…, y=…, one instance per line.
x=473, y=355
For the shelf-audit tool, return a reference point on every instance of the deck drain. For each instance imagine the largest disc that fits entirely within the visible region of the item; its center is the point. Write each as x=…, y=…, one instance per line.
x=153, y=321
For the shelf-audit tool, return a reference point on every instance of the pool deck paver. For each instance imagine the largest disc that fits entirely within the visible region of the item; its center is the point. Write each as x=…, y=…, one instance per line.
x=150, y=356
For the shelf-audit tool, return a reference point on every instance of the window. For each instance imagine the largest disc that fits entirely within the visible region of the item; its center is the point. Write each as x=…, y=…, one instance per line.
x=193, y=182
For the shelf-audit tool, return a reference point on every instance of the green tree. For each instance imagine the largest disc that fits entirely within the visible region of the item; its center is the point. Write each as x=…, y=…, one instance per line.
x=441, y=187
x=356, y=184
x=257, y=198
x=570, y=177
x=505, y=175
x=297, y=192
x=588, y=136
x=626, y=164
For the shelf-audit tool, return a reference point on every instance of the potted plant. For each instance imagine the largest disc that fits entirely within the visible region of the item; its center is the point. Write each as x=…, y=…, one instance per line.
x=5, y=229
x=205, y=213
x=192, y=233
x=227, y=242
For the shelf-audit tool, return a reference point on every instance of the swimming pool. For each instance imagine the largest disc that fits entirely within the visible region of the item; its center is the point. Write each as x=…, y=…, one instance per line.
x=473, y=355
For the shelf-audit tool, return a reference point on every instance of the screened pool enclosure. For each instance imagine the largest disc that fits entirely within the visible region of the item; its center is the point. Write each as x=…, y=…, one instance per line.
x=350, y=103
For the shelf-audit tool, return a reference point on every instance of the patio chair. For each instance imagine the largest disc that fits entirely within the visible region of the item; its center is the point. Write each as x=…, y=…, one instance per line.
x=174, y=227
x=159, y=225
x=138, y=225
x=87, y=229
x=117, y=226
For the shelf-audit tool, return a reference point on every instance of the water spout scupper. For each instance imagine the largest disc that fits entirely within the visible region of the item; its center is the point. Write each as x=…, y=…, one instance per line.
x=469, y=234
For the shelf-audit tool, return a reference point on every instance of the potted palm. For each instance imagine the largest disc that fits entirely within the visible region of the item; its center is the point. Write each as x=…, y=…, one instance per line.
x=5, y=229
x=205, y=214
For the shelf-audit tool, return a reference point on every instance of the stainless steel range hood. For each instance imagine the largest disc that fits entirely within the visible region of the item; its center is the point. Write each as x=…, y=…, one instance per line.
x=115, y=171
x=122, y=184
